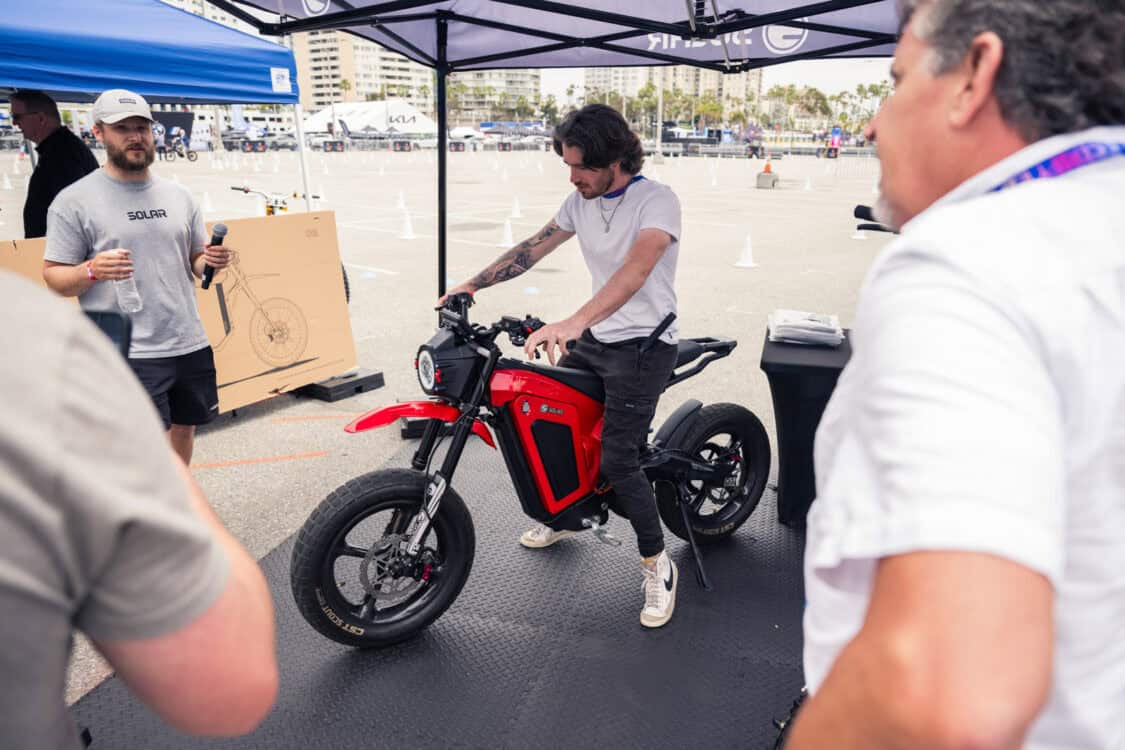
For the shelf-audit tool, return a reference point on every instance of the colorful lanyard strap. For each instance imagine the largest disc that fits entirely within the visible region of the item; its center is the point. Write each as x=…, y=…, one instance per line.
x=1082, y=155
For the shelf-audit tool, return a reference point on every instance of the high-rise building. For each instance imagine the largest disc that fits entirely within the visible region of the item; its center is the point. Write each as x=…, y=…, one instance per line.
x=210, y=12
x=732, y=89
x=494, y=95
x=333, y=66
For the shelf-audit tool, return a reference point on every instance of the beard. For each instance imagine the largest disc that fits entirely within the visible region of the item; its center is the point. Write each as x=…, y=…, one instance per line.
x=131, y=159
x=599, y=187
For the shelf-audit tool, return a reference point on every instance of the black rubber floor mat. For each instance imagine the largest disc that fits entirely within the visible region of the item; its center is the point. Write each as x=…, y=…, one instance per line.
x=543, y=649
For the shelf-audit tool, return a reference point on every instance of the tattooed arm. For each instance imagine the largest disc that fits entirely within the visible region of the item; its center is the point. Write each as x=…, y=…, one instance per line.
x=517, y=260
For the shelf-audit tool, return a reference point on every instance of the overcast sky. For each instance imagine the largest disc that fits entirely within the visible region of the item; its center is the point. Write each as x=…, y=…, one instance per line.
x=830, y=76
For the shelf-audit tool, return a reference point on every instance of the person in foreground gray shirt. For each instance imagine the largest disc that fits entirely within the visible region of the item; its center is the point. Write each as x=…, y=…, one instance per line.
x=102, y=530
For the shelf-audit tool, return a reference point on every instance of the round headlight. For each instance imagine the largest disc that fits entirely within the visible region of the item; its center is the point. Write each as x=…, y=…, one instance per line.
x=426, y=370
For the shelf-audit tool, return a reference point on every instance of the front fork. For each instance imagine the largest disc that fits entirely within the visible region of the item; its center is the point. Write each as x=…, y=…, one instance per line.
x=440, y=479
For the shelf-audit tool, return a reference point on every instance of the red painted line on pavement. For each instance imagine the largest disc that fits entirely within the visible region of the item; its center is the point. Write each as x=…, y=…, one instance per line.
x=266, y=460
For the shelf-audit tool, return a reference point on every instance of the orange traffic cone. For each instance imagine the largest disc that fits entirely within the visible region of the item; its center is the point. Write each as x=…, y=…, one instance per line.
x=768, y=168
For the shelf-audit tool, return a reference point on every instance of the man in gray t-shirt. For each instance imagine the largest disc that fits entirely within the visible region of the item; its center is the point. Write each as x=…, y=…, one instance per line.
x=103, y=531
x=628, y=229
x=119, y=222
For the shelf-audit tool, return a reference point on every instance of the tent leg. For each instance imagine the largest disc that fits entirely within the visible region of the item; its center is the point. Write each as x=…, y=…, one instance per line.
x=442, y=146
x=300, y=129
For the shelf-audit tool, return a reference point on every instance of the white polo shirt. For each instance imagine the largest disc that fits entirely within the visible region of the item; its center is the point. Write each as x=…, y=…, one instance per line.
x=983, y=410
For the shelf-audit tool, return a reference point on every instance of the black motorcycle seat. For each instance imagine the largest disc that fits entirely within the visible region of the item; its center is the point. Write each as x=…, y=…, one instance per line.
x=582, y=381
x=687, y=351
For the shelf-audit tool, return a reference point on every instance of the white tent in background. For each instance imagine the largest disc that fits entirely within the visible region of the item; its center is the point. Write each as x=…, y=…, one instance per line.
x=465, y=133
x=379, y=117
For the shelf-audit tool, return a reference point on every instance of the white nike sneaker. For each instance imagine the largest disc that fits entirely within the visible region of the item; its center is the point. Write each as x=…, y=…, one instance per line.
x=542, y=536
x=660, y=591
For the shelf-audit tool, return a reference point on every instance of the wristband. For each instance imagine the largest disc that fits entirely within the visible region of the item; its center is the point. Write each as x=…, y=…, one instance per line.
x=90, y=271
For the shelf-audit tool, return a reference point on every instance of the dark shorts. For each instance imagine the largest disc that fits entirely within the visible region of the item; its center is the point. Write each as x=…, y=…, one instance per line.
x=183, y=388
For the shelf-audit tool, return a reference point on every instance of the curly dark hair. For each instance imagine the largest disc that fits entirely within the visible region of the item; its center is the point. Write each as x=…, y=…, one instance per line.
x=1064, y=61
x=604, y=137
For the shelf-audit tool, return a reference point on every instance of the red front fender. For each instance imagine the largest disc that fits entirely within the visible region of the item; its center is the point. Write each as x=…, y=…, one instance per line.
x=385, y=415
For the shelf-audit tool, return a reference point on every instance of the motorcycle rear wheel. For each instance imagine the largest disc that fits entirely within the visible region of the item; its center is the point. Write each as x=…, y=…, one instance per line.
x=722, y=433
x=360, y=524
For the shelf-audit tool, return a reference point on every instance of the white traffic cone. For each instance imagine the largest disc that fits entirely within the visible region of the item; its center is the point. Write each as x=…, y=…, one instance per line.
x=6, y=184
x=714, y=180
x=808, y=184
x=747, y=259
x=506, y=240
x=206, y=205
x=401, y=203
x=259, y=205
x=516, y=213
x=407, y=232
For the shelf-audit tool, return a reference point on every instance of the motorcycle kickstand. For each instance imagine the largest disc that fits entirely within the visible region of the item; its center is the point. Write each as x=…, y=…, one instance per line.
x=700, y=572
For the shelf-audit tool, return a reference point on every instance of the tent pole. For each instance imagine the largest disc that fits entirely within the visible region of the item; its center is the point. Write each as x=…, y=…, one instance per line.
x=300, y=128
x=442, y=145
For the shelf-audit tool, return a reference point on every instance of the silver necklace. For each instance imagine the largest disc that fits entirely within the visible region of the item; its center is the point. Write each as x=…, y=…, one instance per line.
x=601, y=208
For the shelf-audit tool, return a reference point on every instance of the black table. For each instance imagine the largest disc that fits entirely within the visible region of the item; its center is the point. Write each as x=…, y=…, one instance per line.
x=801, y=380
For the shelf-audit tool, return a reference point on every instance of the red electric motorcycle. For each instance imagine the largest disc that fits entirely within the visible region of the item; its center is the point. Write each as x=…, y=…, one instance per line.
x=385, y=555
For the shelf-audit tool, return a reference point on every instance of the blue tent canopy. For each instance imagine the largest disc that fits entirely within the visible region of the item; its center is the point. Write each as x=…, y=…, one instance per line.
x=75, y=49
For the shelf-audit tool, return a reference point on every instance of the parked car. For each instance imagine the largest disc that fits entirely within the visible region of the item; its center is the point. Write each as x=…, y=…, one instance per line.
x=281, y=142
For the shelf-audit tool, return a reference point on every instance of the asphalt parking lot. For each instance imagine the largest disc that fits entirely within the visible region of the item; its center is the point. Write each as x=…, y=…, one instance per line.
x=266, y=468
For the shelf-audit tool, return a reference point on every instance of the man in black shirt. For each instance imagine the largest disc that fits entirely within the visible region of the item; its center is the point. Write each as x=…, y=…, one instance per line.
x=63, y=157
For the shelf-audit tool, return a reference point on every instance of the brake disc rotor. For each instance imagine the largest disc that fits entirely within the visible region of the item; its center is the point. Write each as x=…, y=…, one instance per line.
x=378, y=560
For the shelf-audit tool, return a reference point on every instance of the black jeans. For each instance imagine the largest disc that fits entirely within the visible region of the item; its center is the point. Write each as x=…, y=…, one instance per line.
x=633, y=382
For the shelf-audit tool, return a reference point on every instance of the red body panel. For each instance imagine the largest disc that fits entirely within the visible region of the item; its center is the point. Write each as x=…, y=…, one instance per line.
x=532, y=398
x=385, y=415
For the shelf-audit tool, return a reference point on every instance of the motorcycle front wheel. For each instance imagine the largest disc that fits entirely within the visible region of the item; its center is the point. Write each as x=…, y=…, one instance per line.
x=728, y=435
x=353, y=583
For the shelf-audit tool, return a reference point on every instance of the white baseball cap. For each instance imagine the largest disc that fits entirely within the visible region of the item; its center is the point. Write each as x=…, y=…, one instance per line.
x=117, y=104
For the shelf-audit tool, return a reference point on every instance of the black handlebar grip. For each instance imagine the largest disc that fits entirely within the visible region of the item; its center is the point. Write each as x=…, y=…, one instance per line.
x=864, y=213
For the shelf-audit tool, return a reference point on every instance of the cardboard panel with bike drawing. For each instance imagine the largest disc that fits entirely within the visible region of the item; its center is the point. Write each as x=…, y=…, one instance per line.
x=277, y=317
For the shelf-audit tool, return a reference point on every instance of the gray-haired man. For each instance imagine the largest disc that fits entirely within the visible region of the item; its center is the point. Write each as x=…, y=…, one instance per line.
x=964, y=554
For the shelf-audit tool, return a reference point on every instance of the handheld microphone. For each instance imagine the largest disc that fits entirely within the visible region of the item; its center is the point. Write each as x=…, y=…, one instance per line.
x=218, y=232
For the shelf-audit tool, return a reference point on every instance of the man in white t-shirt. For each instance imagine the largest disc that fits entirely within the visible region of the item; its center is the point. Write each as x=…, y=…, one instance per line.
x=965, y=554
x=628, y=229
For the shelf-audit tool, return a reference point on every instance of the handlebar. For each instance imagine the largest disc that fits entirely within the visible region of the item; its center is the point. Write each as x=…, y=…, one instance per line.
x=865, y=214
x=454, y=314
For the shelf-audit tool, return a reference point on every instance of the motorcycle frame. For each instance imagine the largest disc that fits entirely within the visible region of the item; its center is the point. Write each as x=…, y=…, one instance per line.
x=658, y=461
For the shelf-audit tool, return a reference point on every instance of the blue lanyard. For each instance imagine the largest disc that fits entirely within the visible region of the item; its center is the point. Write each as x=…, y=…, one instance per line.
x=1073, y=158
x=616, y=193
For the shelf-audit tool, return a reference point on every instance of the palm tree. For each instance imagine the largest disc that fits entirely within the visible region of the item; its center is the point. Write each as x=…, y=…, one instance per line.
x=345, y=87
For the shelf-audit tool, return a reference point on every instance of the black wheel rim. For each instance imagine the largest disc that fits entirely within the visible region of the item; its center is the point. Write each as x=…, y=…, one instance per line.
x=712, y=505
x=405, y=598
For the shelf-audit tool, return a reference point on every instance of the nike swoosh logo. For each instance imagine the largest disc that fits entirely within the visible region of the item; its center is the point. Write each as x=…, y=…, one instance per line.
x=668, y=581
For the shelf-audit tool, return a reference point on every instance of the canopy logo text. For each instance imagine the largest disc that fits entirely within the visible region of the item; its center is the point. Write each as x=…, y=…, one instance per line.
x=316, y=7
x=780, y=40
x=784, y=40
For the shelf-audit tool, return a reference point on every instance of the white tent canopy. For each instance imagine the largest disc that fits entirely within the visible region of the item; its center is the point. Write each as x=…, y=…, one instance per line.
x=373, y=117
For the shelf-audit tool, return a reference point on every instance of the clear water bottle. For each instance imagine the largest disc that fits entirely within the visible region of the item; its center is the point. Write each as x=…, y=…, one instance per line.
x=128, y=298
